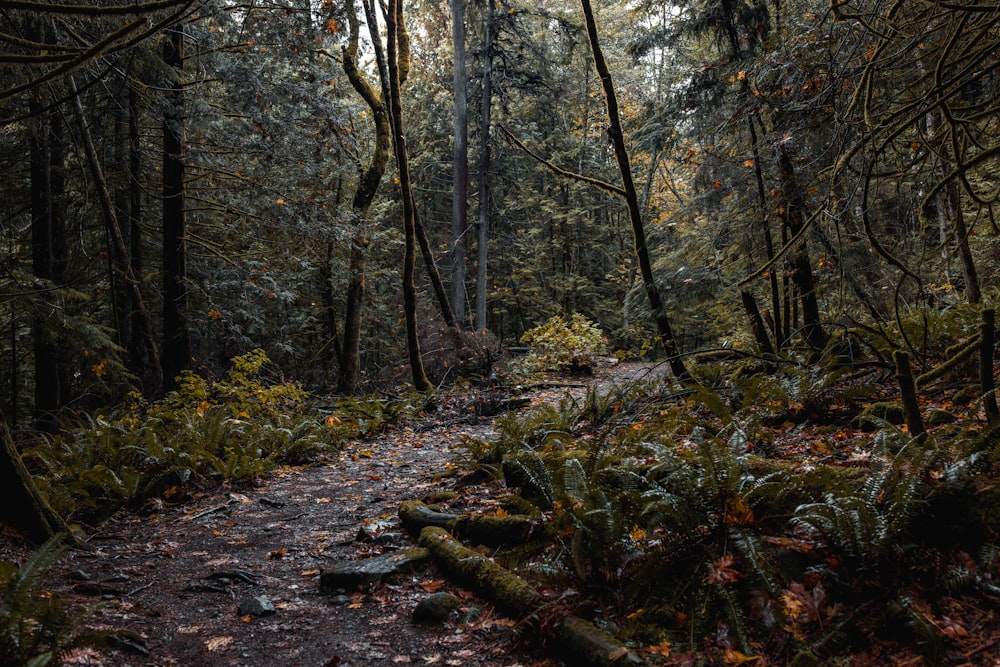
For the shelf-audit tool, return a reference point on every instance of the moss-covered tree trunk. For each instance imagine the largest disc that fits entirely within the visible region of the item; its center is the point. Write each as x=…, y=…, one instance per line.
x=21, y=505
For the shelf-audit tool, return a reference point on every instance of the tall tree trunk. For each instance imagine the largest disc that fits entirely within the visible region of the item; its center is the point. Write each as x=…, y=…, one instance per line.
x=349, y=354
x=485, y=160
x=152, y=378
x=617, y=136
x=973, y=293
x=47, y=245
x=119, y=247
x=394, y=17
x=802, y=277
x=176, y=336
x=460, y=163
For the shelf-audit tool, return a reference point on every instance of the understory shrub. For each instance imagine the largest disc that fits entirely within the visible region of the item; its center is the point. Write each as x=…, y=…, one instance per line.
x=559, y=345
x=231, y=429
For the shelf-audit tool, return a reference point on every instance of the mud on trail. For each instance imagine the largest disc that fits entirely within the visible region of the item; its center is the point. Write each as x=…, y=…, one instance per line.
x=232, y=577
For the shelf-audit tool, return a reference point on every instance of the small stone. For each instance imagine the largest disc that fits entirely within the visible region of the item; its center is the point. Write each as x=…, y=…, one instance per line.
x=435, y=609
x=350, y=575
x=340, y=600
x=256, y=606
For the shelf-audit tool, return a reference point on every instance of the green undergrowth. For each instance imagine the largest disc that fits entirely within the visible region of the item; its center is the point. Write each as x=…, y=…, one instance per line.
x=207, y=432
x=39, y=627
x=679, y=521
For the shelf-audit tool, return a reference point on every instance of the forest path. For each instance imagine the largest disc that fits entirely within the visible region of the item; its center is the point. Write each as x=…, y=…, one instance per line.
x=178, y=576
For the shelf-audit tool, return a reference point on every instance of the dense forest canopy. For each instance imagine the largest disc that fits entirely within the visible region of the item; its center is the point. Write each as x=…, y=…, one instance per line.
x=187, y=181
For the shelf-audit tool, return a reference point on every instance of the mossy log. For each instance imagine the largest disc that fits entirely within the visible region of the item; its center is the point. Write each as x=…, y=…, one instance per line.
x=496, y=531
x=580, y=641
x=415, y=516
x=592, y=647
x=511, y=594
x=491, y=531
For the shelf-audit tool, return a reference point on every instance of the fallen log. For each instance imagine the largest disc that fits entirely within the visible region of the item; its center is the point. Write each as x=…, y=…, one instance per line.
x=491, y=531
x=581, y=641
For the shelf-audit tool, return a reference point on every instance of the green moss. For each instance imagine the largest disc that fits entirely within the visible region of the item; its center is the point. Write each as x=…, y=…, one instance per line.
x=496, y=530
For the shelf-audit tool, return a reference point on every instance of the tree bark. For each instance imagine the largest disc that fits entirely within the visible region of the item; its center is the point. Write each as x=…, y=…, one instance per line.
x=48, y=247
x=176, y=336
x=617, y=136
x=908, y=392
x=485, y=160
x=802, y=276
x=349, y=354
x=120, y=248
x=460, y=163
x=987, y=341
x=394, y=17
x=23, y=507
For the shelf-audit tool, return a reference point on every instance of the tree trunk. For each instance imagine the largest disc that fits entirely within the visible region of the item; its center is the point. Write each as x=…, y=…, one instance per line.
x=48, y=248
x=908, y=391
x=757, y=324
x=394, y=17
x=802, y=277
x=632, y=200
x=349, y=355
x=23, y=507
x=973, y=293
x=120, y=249
x=485, y=159
x=460, y=175
x=176, y=336
x=152, y=378
x=987, y=341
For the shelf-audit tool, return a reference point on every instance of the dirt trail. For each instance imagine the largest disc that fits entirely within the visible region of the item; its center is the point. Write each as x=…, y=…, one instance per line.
x=178, y=576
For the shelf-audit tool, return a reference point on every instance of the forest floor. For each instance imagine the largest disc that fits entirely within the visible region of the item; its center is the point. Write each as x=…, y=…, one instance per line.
x=231, y=576
x=178, y=575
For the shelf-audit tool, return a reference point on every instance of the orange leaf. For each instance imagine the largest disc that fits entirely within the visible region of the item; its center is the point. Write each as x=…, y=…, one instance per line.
x=432, y=586
x=731, y=657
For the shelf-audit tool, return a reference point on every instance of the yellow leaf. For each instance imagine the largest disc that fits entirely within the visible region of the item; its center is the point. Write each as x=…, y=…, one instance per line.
x=100, y=369
x=280, y=202
x=748, y=163
x=731, y=657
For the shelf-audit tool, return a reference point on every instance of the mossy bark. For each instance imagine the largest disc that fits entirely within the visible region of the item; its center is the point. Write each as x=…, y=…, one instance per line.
x=511, y=594
x=592, y=647
x=581, y=642
x=24, y=507
x=416, y=516
x=987, y=341
x=908, y=391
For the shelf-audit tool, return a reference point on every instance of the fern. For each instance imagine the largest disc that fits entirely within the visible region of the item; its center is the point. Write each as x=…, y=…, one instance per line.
x=36, y=626
x=865, y=524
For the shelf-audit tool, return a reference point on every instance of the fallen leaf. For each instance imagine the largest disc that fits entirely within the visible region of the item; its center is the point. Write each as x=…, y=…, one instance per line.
x=309, y=573
x=732, y=657
x=401, y=659
x=432, y=586
x=218, y=643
